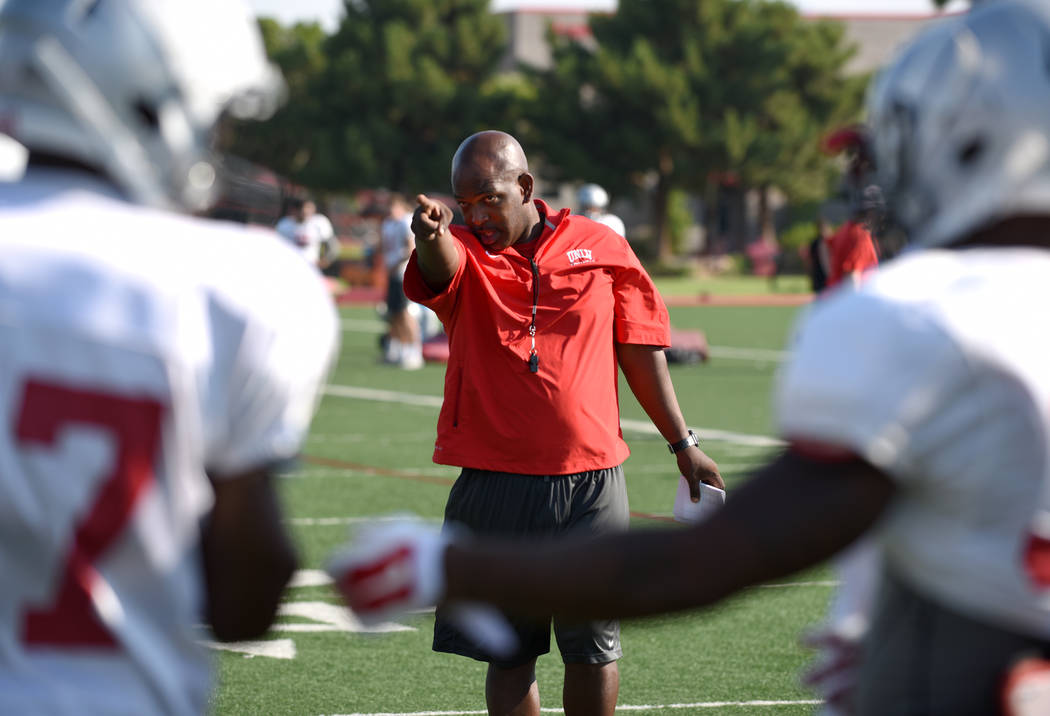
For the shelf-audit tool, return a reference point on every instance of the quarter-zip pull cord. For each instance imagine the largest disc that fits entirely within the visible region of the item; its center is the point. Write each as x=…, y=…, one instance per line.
x=534, y=357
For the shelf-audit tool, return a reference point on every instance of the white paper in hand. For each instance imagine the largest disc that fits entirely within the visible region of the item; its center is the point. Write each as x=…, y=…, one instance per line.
x=689, y=512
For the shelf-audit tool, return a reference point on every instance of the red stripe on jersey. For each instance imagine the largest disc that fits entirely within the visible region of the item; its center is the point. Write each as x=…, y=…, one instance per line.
x=821, y=452
x=1037, y=560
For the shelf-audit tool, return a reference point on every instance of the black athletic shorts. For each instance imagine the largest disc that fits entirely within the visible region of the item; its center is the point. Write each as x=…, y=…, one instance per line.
x=396, y=302
x=506, y=504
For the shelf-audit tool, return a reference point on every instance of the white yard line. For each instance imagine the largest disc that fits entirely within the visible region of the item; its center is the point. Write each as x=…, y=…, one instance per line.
x=637, y=426
x=318, y=577
x=383, y=396
x=359, y=325
x=756, y=354
x=619, y=707
x=780, y=585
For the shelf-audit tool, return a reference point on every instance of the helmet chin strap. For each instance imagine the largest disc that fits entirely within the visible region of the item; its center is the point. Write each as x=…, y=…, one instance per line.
x=122, y=156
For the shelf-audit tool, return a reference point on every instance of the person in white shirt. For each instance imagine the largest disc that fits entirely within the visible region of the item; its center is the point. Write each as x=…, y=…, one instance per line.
x=152, y=379
x=404, y=345
x=916, y=408
x=592, y=201
x=310, y=232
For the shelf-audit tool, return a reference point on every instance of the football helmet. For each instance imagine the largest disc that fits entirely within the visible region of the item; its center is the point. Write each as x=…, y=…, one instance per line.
x=591, y=196
x=961, y=123
x=133, y=87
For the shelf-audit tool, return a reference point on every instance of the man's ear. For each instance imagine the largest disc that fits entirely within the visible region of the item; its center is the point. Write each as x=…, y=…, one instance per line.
x=525, y=181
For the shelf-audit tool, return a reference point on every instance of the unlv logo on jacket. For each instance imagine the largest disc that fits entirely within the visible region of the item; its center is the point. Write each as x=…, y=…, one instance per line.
x=579, y=256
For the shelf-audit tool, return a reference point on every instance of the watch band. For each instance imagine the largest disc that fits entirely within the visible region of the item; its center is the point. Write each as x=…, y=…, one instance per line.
x=681, y=445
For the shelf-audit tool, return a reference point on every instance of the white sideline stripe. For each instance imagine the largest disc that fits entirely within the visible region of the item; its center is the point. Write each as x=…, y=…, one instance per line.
x=619, y=707
x=383, y=396
x=451, y=474
x=748, y=353
x=336, y=521
x=638, y=426
x=778, y=585
x=318, y=577
x=359, y=325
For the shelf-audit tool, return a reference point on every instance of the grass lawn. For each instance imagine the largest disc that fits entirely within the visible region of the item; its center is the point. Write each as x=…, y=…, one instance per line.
x=370, y=453
x=732, y=285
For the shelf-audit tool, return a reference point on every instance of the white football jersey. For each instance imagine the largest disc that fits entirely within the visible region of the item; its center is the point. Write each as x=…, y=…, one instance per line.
x=937, y=370
x=137, y=349
x=307, y=236
x=611, y=220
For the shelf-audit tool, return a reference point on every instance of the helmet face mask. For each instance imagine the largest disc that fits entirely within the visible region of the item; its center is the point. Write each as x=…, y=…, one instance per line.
x=960, y=123
x=132, y=87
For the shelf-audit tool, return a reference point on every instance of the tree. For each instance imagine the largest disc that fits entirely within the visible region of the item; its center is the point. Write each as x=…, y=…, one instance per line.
x=404, y=85
x=680, y=91
x=386, y=99
x=284, y=142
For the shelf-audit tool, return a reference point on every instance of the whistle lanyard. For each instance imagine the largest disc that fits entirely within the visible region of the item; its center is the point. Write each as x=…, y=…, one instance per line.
x=534, y=356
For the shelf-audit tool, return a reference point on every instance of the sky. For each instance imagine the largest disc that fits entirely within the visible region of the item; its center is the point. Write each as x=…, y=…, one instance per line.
x=327, y=12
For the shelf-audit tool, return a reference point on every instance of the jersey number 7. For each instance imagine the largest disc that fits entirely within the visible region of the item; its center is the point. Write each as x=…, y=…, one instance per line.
x=134, y=423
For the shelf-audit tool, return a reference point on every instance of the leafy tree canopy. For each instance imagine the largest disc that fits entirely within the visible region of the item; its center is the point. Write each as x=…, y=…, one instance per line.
x=386, y=99
x=679, y=91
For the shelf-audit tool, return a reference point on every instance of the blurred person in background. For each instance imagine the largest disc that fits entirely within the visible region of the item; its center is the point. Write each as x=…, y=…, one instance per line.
x=540, y=306
x=815, y=256
x=592, y=201
x=852, y=251
x=404, y=345
x=308, y=231
x=153, y=380
x=916, y=410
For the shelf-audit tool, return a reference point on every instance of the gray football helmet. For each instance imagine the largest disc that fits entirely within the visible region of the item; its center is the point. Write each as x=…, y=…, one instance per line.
x=133, y=87
x=961, y=122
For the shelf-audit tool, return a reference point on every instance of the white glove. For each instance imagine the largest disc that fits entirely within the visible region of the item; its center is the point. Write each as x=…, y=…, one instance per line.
x=834, y=673
x=390, y=568
x=1026, y=691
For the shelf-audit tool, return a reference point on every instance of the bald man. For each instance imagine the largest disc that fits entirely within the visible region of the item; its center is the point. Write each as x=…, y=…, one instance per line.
x=540, y=307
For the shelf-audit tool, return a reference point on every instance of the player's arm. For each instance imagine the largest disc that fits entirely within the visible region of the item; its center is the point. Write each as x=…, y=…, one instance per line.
x=248, y=556
x=793, y=514
x=435, y=248
x=265, y=388
x=645, y=368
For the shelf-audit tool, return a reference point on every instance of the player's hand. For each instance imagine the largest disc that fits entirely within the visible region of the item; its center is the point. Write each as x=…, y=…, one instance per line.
x=390, y=568
x=431, y=218
x=697, y=467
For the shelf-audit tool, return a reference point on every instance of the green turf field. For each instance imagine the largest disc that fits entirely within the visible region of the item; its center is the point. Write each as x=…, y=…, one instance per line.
x=369, y=453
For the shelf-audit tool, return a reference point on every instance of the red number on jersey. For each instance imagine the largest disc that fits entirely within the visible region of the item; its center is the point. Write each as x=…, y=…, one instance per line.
x=1037, y=560
x=71, y=620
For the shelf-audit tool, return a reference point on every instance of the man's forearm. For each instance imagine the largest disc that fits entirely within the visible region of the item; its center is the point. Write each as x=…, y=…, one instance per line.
x=645, y=368
x=764, y=532
x=633, y=574
x=438, y=260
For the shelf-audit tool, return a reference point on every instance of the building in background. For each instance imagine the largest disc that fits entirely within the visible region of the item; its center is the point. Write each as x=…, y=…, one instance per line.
x=877, y=29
